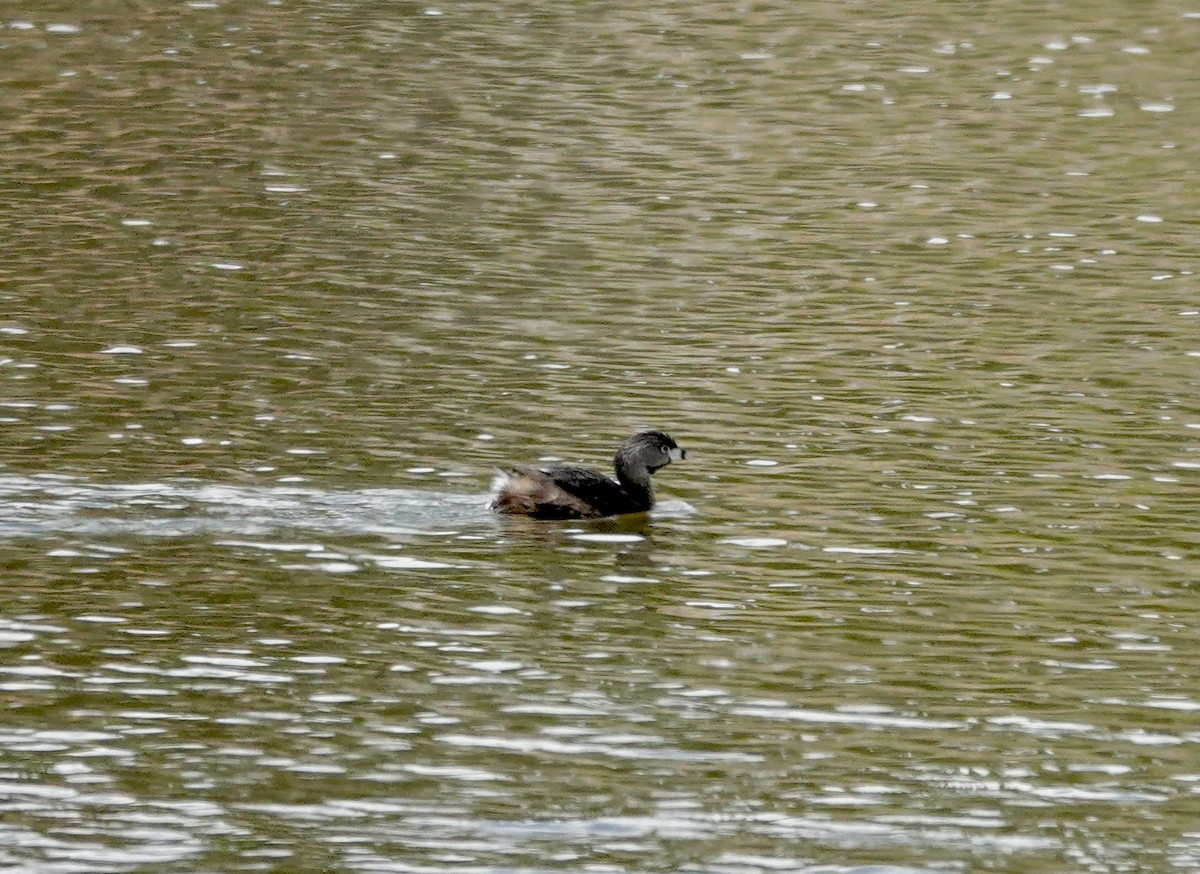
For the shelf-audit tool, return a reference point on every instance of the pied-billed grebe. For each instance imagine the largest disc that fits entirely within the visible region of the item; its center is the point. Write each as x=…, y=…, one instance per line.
x=561, y=492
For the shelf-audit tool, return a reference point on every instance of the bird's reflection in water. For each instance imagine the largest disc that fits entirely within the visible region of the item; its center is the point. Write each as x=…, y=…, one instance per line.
x=630, y=537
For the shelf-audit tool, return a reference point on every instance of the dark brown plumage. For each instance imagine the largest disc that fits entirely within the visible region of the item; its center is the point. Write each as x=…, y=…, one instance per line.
x=564, y=492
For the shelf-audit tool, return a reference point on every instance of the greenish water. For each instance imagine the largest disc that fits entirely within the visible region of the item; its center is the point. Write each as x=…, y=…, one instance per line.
x=913, y=283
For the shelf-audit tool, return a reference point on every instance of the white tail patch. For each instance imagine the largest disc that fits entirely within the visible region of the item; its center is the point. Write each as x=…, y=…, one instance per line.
x=501, y=480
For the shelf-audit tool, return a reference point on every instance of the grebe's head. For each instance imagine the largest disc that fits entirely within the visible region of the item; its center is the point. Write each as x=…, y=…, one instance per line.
x=650, y=450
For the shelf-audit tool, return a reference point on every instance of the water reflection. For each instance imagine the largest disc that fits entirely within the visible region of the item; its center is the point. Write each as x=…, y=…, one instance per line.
x=45, y=504
x=284, y=283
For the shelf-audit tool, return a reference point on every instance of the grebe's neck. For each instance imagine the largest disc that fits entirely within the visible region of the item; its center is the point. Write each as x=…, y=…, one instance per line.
x=635, y=479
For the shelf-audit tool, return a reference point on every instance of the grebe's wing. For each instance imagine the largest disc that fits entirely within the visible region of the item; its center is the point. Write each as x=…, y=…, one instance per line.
x=590, y=485
x=552, y=493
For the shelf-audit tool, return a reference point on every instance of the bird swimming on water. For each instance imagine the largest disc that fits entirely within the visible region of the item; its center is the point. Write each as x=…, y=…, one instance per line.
x=564, y=492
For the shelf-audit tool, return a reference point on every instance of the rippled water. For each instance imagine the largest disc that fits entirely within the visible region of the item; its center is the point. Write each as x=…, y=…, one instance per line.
x=914, y=284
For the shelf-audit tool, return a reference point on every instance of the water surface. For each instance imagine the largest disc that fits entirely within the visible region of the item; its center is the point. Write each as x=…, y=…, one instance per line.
x=914, y=285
